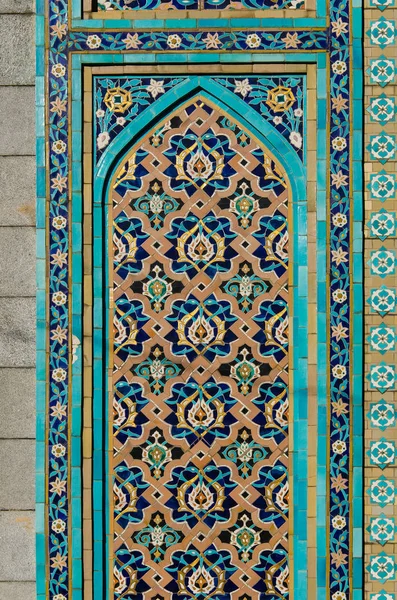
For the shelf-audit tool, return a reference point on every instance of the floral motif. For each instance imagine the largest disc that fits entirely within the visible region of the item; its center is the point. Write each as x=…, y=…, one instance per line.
x=381, y=4
x=156, y=87
x=382, y=377
x=128, y=417
x=274, y=505
x=273, y=255
x=382, y=453
x=382, y=415
x=383, y=262
x=93, y=42
x=201, y=328
x=201, y=412
x=280, y=99
x=244, y=535
x=128, y=571
x=157, y=536
x=382, y=70
x=157, y=287
x=276, y=564
x=382, y=338
x=382, y=32
x=382, y=147
x=382, y=596
x=156, y=204
x=128, y=493
x=128, y=243
x=201, y=575
x=245, y=286
x=382, y=529
x=201, y=495
x=201, y=245
x=382, y=109
x=273, y=335
x=117, y=100
x=157, y=370
x=156, y=452
x=382, y=224
x=382, y=491
x=128, y=324
x=381, y=567
x=245, y=370
x=245, y=453
x=382, y=185
x=383, y=300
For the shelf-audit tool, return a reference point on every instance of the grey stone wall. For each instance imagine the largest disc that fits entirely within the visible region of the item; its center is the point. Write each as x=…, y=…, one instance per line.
x=17, y=300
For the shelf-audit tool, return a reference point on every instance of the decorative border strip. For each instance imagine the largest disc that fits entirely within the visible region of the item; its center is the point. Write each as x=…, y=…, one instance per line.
x=381, y=262
x=59, y=225
x=57, y=442
x=339, y=304
x=192, y=41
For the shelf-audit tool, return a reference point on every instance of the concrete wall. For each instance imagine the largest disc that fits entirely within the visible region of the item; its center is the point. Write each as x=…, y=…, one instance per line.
x=17, y=300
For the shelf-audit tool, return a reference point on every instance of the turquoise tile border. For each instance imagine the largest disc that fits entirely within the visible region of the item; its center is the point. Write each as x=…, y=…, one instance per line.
x=41, y=303
x=322, y=365
x=300, y=353
x=356, y=245
x=186, y=24
x=78, y=61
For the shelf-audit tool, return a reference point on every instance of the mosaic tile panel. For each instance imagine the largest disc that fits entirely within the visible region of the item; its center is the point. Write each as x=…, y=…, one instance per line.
x=200, y=268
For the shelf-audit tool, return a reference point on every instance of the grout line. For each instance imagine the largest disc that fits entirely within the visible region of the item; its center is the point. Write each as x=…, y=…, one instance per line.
x=11, y=510
x=17, y=85
x=19, y=439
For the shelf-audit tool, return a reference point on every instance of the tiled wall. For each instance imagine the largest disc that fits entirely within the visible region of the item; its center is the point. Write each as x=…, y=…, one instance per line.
x=95, y=40
x=17, y=291
x=17, y=300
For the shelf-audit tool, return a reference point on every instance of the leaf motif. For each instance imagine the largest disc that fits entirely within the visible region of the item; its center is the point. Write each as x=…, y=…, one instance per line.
x=121, y=331
x=120, y=247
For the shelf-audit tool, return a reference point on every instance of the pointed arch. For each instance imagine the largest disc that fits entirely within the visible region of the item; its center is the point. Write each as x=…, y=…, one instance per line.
x=268, y=138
